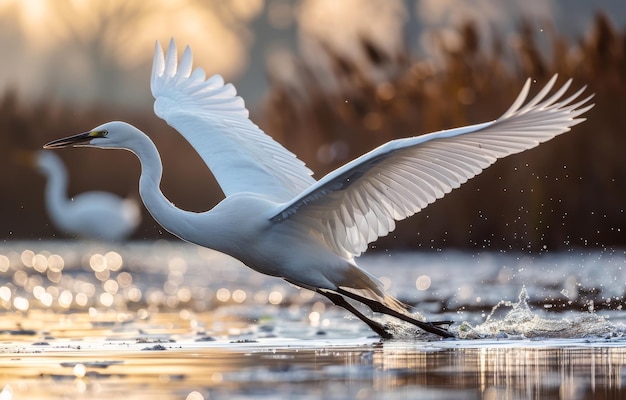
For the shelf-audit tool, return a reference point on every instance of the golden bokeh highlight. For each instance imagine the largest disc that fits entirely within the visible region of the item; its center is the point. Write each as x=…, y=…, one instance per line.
x=423, y=282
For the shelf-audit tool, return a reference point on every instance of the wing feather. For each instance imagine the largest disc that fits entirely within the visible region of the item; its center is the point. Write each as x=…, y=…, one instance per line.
x=359, y=202
x=214, y=120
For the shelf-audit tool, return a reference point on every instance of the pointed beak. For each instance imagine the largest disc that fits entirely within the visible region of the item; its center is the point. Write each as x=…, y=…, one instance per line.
x=76, y=140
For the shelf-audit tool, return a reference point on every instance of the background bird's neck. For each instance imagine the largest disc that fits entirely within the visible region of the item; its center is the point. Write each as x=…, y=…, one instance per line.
x=57, y=201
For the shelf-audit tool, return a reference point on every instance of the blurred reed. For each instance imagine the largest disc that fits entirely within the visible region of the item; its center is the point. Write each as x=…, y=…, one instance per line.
x=564, y=194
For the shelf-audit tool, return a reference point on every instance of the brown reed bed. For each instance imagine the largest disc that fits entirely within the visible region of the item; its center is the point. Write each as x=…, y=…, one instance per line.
x=564, y=194
x=568, y=192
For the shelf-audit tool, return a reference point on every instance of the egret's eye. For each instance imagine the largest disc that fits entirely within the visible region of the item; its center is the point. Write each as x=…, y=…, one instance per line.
x=99, y=134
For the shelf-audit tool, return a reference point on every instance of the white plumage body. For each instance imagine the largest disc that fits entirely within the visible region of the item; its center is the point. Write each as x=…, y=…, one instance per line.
x=280, y=221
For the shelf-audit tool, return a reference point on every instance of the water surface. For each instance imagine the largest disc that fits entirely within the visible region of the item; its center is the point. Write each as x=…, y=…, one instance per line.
x=171, y=320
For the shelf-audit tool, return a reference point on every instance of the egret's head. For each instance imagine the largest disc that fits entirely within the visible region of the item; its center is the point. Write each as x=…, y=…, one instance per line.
x=46, y=162
x=42, y=161
x=112, y=135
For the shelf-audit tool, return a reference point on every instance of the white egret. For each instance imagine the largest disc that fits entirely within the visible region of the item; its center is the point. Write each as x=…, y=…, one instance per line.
x=280, y=221
x=92, y=215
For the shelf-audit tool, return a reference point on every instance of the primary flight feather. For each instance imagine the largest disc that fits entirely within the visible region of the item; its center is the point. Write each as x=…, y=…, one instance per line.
x=214, y=120
x=280, y=221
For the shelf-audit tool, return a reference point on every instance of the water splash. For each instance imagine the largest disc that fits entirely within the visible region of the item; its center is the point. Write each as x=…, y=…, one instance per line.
x=516, y=320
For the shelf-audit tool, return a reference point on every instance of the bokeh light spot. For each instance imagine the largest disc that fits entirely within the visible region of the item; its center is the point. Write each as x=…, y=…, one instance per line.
x=422, y=282
x=194, y=396
x=106, y=299
x=56, y=263
x=21, y=303
x=27, y=257
x=97, y=262
x=223, y=294
x=113, y=260
x=5, y=293
x=4, y=263
x=239, y=296
x=40, y=263
x=275, y=297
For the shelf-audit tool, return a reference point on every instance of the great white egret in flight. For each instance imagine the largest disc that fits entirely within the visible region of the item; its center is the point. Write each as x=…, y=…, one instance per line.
x=277, y=219
x=91, y=215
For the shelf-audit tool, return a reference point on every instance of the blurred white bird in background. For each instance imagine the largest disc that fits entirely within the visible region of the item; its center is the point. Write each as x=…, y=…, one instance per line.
x=91, y=215
x=280, y=221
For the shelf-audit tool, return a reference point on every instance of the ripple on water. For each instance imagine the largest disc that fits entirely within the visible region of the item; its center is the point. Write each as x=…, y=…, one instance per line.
x=183, y=320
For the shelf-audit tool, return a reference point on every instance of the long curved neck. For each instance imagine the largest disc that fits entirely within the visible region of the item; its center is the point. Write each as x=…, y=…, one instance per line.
x=162, y=210
x=56, y=192
x=204, y=229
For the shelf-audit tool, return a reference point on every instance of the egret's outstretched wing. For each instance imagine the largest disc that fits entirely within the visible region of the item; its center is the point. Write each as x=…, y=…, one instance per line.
x=359, y=202
x=214, y=120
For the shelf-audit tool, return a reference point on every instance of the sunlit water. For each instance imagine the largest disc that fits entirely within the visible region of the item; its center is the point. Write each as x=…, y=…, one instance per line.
x=171, y=320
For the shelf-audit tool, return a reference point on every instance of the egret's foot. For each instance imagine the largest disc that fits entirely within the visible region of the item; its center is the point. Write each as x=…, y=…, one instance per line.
x=382, y=332
x=436, y=328
x=442, y=323
x=439, y=328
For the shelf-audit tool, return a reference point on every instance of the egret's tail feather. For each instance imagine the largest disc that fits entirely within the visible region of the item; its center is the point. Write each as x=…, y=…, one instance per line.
x=361, y=284
x=380, y=296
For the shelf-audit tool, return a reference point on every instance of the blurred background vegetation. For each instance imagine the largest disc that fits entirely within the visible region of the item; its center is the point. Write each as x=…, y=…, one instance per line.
x=331, y=97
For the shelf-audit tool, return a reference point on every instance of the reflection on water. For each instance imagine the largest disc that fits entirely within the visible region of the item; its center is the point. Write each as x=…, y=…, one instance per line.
x=175, y=321
x=506, y=371
x=162, y=367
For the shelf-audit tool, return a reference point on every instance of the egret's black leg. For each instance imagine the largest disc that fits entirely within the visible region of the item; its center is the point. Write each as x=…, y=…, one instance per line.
x=341, y=302
x=381, y=308
x=441, y=323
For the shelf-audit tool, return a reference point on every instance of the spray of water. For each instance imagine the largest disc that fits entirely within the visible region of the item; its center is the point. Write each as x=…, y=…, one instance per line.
x=516, y=320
